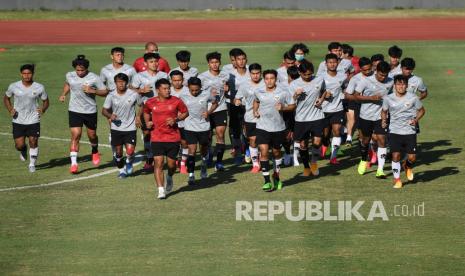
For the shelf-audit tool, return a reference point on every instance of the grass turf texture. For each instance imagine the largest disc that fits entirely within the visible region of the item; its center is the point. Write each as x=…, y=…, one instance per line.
x=107, y=226
x=224, y=14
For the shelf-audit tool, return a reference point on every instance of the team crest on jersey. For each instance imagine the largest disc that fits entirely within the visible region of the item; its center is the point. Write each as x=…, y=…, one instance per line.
x=201, y=101
x=276, y=97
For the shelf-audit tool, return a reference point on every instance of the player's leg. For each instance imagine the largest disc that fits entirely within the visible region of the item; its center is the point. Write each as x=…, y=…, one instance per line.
x=263, y=140
x=350, y=115
x=74, y=147
x=130, y=154
x=91, y=125
x=184, y=153
x=192, y=148
x=277, y=141
x=148, y=166
x=20, y=145
x=396, y=143
x=326, y=138
x=411, y=149
x=203, y=140
x=118, y=147
x=159, y=161
x=171, y=158
x=250, y=131
x=380, y=140
x=33, y=152
x=335, y=142
x=366, y=131
x=220, y=147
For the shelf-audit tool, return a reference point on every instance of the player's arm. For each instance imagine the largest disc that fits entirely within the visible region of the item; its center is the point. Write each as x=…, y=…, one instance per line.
x=108, y=114
x=420, y=113
x=8, y=105
x=102, y=92
x=256, y=105
x=65, y=92
x=147, y=119
x=45, y=105
x=384, y=117
x=423, y=94
x=361, y=98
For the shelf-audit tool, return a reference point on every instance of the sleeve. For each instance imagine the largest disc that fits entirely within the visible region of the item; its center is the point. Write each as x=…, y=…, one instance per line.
x=103, y=77
x=321, y=68
x=147, y=108
x=135, y=82
x=351, y=68
x=360, y=87
x=99, y=84
x=139, y=100
x=418, y=104
x=289, y=98
x=240, y=93
x=195, y=72
x=43, y=94
x=351, y=86
x=385, y=103
x=107, y=104
x=255, y=96
x=421, y=86
x=182, y=106
x=67, y=78
x=132, y=73
x=9, y=92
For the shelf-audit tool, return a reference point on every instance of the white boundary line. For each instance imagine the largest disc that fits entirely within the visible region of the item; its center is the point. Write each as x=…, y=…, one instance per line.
x=66, y=180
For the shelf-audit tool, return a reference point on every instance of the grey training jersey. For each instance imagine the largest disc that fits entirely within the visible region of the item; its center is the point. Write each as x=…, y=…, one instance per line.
x=247, y=95
x=196, y=106
x=25, y=101
x=282, y=74
x=344, y=66
x=306, y=111
x=396, y=71
x=124, y=106
x=271, y=120
x=192, y=72
x=108, y=73
x=236, y=80
x=416, y=84
x=336, y=86
x=370, y=86
x=142, y=79
x=401, y=111
x=353, y=83
x=79, y=101
x=210, y=81
x=178, y=94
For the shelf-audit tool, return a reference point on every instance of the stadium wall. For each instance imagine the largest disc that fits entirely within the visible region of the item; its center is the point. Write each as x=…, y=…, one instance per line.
x=224, y=4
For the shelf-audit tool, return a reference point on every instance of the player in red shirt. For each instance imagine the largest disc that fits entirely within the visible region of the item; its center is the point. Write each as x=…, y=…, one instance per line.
x=161, y=114
x=151, y=47
x=348, y=53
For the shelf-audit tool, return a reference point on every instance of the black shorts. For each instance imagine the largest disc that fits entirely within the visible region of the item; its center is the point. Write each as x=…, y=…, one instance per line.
x=335, y=118
x=274, y=139
x=80, y=119
x=20, y=130
x=369, y=127
x=250, y=129
x=236, y=118
x=219, y=118
x=169, y=149
x=123, y=137
x=303, y=130
x=403, y=143
x=289, y=120
x=200, y=137
x=350, y=105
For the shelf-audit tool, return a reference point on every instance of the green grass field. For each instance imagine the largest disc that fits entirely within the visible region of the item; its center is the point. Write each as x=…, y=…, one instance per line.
x=224, y=14
x=108, y=226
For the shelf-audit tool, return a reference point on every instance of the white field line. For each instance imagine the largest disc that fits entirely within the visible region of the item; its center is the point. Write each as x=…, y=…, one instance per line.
x=66, y=180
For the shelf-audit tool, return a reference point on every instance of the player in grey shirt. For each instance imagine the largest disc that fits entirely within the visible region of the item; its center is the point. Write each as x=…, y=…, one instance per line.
x=108, y=72
x=183, y=58
x=120, y=109
x=288, y=61
x=83, y=86
x=215, y=82
x=308, y=92
x=270, y=101
x=335, y=83
x=404, y=110
x=245, y=96
x=344, y=66
x=395, y=53
x=370, y=92
x=200, y=105
x=26, y=113
x=416, y=86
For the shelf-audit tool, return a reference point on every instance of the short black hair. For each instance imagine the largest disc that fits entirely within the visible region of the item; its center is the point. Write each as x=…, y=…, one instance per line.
x=121, y=76
x=377, y=57
x=148, y=56
x=194, y=81
x=293, y=72
x=80, y=60
x=162, y=81
x=289, y=55
x=334, y=45
x=408, y=63
x=363, y=61
x=383, y=67
x=306, y=65
x=270, y=71
x=31, y=67
x=400, y=78
x=183, y=56
x=238, y=52
x=395, y=51
x=331, y=56
x=347, y=49
x=213, y=55
x=117, y=50
x=176, y=73
x=300, y=46
x=233, y=51
x=255, y=66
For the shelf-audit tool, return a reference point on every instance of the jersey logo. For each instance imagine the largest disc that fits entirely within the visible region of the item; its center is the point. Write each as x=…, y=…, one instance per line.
x=276, y=98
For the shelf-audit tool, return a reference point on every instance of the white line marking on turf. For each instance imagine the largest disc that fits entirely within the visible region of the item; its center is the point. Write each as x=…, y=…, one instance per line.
x=66, y=180
x=59, y=139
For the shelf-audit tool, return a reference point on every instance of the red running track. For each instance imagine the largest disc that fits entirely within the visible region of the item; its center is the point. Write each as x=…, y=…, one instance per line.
x=250, y=30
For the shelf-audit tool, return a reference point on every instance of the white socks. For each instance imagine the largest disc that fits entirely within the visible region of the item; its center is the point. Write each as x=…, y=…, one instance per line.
x=296, y=153
x=254, y=156
x=381, y=157
x=73, y=155
x=33, y=153
x=396, y=169
x=335, y=144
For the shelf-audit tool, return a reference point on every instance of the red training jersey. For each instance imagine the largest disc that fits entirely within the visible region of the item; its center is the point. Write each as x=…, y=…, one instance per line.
x=354, y=61
x=161, y=111
x=139, y=65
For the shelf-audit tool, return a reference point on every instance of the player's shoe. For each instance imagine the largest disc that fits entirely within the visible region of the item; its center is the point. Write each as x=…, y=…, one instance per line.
x=169, y=183
x=334, y=161
x=380, y=174
x=307, y=172
x=255, y=169
x=129, y=168
x=408, y=172
x=267, y=187
x=374, y=158
x=183, y=169
x=219, y=167
x=148, y=167
x=122, y=175
x=203, y=172
x=247, y=157
x=362, y=167
x=73, y=169
x=23, y=155
x=397, y=184
x=288, y=159
x=161, y=194
x=314, y=169
x=348, y=143
x=32, y=168
x=191, y=180
x=323, y=150
x=96, y=158
x=277, y=184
